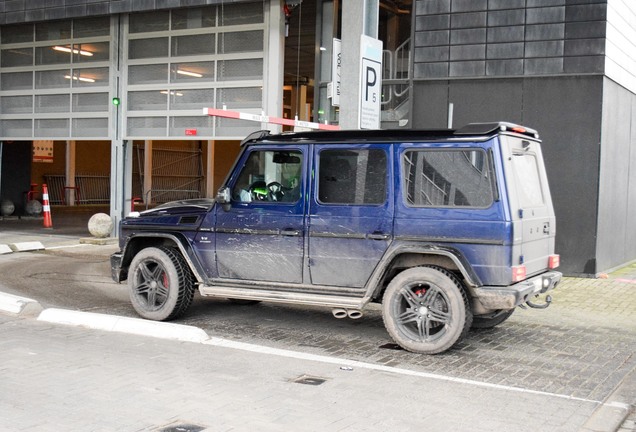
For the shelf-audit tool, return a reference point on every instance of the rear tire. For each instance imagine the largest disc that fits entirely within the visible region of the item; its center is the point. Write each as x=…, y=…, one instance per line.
x=161, y=285
x=426, y=310
x=490, y=321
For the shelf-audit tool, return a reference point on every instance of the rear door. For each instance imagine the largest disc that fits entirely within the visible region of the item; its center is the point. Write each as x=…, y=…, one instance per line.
x=530, y=203
x=350, y=214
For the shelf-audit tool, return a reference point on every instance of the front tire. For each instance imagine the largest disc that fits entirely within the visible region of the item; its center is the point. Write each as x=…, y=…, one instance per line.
x=161, y=285
x=425, y=310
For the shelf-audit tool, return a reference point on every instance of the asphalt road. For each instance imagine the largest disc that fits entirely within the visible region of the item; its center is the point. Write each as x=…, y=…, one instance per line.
x=582, y=346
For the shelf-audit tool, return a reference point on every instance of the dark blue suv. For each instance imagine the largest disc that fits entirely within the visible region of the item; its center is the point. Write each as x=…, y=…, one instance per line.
x=448, y=229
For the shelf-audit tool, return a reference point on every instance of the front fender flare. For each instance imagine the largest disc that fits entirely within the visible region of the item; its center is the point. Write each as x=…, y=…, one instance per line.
x=129, y=250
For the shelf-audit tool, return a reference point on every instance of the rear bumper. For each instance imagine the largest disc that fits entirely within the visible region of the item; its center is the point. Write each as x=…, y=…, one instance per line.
x=495, y=297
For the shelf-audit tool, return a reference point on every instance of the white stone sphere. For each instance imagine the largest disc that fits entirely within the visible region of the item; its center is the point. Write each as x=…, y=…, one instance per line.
x=100, y=225
x=33, y=208
x=7, y=207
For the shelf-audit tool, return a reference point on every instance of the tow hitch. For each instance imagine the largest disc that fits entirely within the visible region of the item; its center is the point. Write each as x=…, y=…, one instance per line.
x=548, y=300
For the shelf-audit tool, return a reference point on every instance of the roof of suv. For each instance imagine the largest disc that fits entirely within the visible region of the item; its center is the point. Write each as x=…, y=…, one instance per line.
x=473, y=130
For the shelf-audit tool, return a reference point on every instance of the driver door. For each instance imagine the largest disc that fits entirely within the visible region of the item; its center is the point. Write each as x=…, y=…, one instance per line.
x=261, y=236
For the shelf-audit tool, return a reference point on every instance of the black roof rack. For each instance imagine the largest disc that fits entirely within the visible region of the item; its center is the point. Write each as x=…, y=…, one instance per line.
x=472, y=129
x=489, y=128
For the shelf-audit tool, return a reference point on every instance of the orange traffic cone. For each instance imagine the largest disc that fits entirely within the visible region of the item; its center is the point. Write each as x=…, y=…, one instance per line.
x=46, y=208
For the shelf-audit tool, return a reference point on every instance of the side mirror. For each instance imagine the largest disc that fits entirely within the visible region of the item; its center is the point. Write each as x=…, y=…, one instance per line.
x=224, y=198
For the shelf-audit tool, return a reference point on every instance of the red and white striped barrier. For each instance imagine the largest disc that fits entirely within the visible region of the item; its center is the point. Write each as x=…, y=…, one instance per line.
x=46, y=208
x=267, y=119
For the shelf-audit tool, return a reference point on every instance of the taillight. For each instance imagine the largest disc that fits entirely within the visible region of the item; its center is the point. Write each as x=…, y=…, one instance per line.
x=518, y=273
x=554, y=261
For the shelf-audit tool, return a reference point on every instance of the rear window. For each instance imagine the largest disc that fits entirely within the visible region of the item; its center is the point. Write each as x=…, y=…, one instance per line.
x=448, y=178
x=526, y=172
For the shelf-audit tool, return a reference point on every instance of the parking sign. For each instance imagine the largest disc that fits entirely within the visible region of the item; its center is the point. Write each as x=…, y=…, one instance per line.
x=370, y=83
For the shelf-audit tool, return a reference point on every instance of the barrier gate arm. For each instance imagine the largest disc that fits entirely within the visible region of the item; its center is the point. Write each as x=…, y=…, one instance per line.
x=267, y=119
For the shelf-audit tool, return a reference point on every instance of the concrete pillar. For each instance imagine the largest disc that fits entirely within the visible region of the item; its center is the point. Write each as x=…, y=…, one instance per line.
x=210, y=191
x=299, y=103
x=70, y=195
x=120, y=181
x=358, y=17
x=275, y=63
x=147, y=186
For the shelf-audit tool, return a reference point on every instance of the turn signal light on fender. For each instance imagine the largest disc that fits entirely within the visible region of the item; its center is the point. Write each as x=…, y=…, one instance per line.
x=518, y=273
x=554, y=261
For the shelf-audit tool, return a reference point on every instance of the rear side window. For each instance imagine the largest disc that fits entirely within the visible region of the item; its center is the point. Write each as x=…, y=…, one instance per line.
x=448, y=178
x=352, y=176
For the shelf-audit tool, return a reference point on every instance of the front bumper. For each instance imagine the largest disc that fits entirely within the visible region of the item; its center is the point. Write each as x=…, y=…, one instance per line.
x=495, y=297
x=116, y=272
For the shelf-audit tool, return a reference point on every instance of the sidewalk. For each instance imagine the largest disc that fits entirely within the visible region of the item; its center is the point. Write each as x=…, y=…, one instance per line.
x=70, y=378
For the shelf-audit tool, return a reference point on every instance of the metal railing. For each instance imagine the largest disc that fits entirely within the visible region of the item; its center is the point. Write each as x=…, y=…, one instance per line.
x=88, y=189
x=396, y=87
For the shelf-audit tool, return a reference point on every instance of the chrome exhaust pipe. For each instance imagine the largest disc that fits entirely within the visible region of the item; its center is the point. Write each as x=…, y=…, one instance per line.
x=354, y=313
x=339, y=313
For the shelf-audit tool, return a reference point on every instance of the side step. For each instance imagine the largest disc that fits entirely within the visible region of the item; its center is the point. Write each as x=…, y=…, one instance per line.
x=282, y=297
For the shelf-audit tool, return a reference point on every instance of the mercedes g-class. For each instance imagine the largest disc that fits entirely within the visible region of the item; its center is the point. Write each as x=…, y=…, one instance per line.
x=447, y=229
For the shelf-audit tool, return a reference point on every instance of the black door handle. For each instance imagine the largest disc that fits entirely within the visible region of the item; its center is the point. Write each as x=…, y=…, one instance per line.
x=378, y=236
x=290, y=232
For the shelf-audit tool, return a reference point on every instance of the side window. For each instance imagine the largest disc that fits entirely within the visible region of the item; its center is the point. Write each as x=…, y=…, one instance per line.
x=269, y=176
x=352, y=176
x=448, y=178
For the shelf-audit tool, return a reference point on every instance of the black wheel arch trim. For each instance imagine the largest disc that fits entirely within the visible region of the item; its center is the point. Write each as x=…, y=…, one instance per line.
x=128, y=252
x=374, y=284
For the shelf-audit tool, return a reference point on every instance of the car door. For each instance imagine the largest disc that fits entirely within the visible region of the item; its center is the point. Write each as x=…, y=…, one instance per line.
x=351, y=213
x=260, y=236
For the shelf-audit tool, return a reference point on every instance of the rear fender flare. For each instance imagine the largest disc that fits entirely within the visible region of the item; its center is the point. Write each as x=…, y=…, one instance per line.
x=411, y=255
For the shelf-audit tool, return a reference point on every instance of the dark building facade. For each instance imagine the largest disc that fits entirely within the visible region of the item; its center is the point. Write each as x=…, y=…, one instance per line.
x=564, y=67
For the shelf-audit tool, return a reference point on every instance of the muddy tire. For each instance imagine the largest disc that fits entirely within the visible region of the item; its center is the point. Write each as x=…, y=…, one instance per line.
x=161, y=285
x=426, y=310
x=490, y=321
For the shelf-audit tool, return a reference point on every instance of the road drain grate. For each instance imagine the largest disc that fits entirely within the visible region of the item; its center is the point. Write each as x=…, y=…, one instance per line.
x=309, y=380
x=181, y=428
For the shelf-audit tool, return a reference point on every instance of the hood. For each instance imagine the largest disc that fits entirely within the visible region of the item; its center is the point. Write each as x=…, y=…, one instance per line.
x=184, y=214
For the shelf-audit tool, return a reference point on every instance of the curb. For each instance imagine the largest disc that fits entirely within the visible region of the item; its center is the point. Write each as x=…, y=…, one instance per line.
x=611, y=414
x=21, y=247
x=121, y=324
x=27, y=307
x=26, y=246
x=99, y=240
x=17, y=305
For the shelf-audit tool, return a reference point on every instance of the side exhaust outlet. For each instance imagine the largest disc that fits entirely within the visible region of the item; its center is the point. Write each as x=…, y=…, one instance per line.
x=354, y=314
x=339, y=313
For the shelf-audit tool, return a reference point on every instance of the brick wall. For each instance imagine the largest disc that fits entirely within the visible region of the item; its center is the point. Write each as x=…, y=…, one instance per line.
x=495, y=38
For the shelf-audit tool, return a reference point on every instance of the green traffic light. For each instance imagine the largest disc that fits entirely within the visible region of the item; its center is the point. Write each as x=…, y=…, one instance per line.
x=116, y=101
